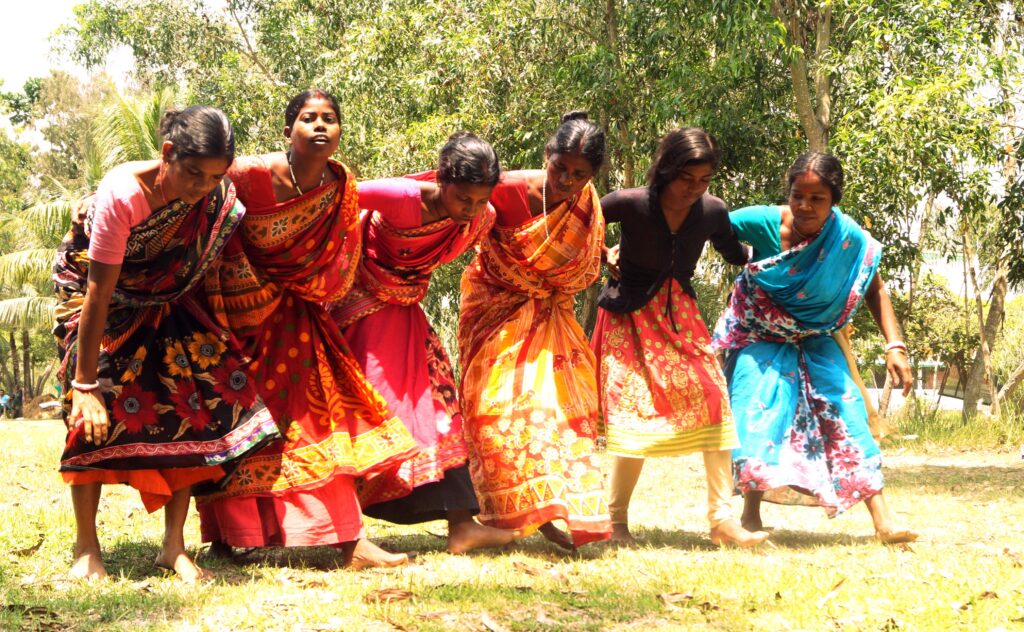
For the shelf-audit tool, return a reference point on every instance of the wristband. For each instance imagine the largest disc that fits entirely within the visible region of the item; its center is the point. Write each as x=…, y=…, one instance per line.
x=84, y=388
x=896, y=345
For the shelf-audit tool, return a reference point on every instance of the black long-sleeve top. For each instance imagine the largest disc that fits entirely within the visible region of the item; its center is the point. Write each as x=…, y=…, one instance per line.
x=649, y=253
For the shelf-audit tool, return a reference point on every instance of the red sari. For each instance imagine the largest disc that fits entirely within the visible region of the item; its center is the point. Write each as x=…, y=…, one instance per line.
x=401, y=354
x=529, y=391
x=292, y=258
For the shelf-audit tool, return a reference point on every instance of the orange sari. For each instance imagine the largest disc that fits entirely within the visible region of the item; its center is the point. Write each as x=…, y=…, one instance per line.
x=271, y=289
x=528, y=389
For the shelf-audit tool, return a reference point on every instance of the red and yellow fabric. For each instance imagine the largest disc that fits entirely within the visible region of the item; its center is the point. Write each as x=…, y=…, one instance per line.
x=270, y=288
x=528, y=389
x=662, y=391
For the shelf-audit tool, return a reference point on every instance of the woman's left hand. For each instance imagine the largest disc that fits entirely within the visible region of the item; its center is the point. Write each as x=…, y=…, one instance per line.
x=899, y=370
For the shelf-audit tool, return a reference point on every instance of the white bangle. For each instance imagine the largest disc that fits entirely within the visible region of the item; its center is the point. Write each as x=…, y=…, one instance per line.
x=896, y=345
x=84, y=388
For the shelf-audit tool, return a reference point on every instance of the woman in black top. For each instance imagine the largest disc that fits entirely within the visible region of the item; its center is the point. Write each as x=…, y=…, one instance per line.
x=662, y=391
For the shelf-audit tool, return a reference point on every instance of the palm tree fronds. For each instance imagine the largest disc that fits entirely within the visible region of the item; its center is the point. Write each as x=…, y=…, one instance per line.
x=32, y=266
x=27, y=312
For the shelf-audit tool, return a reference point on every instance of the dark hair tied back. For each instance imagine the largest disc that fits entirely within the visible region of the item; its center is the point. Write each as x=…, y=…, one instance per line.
x=295, y=105
x=578, y=135
x=468, y=159
x=679, y=149
x=198, y=131
x=825, y=166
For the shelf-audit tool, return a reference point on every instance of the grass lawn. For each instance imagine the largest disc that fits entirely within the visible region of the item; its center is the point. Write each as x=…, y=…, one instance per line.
x=967, y=572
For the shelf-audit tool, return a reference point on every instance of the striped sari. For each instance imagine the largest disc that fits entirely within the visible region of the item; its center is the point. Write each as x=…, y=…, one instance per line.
x=528, y=388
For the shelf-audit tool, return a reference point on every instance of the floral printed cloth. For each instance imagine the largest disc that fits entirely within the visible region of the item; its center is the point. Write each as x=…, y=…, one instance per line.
x=800, y=416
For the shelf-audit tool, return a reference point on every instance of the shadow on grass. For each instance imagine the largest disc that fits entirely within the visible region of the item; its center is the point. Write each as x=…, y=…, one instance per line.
x=986, y=481
x=785, y=538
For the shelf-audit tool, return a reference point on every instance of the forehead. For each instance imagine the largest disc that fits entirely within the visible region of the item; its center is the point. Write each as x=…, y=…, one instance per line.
x=572, y=161
x=471, y=189
x=316, y=104
x=697, y=170
x=810, y=182
x=213, y=166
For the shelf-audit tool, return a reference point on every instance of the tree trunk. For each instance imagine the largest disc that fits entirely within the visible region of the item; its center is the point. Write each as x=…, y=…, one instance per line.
x=981, y=369
x=26, y=352
x=813, y=120
x=1009, y=390
x=942, y=387
x=14, y=359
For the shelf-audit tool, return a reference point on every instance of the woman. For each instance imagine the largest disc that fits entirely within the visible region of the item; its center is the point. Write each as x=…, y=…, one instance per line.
x=138, y=347
x=298, y=249
x=412, y=226
x=662, y=391
x=802, y=421
x=528, y=389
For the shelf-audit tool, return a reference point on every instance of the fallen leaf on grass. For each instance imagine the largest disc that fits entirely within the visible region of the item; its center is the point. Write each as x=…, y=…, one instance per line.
x=1014, y=557
x=387, y=595
x=831, y=594
x=988, y=594
x=544, y=619
x=142, y=586
x=706, y=607
x=41, y=618
x=676, y=597
x=525, y=568
x=491, y=624
x=32, y=549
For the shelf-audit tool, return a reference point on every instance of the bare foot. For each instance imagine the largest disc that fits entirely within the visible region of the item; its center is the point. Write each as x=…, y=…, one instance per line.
x=895, y=535
x=182, y=564
x=365, y=554
x=556, y=535
x=88, y=564
x=731, y=532
x=621, y=535
x=221, y=550
x=469, y=534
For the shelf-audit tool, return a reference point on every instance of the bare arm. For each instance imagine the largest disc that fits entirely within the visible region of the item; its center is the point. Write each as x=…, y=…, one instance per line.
x=90, y=406
x=881, y=309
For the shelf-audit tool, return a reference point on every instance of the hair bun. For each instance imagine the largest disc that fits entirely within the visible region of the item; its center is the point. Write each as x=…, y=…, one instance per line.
x=574, y=115
x=167, y=121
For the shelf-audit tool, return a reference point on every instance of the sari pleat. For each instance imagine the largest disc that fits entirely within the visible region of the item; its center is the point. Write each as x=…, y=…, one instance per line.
x=528, y=388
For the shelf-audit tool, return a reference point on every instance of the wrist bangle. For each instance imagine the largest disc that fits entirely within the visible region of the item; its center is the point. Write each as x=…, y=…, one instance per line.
x=84, y=388
x=896, y=345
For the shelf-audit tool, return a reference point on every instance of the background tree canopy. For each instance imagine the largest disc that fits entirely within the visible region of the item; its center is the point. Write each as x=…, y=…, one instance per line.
x=921, y=100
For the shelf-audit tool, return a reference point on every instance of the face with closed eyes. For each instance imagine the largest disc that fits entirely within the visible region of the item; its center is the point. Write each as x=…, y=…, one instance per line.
x=810, y=202
x=462, y=201
x=567, y=174
x=191, y=178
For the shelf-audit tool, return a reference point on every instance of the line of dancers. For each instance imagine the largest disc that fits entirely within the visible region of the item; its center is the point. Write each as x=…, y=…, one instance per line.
x=249, y=331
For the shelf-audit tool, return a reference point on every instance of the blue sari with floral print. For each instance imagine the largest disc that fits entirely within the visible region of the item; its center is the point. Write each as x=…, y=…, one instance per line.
x=801, y=419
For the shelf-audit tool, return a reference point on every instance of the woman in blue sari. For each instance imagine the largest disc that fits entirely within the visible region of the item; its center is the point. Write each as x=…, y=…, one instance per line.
x=801, y=418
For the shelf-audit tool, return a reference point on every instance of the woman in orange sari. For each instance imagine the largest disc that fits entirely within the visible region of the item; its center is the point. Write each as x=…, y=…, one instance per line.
x=299, y=249
x=412, y=225
x=528, y=389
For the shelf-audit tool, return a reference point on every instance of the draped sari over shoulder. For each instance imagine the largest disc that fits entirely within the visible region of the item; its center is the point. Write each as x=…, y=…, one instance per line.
x=179, y=404
x=801, y=418
x=291, y=258
x=528, y=387
x=398, y=349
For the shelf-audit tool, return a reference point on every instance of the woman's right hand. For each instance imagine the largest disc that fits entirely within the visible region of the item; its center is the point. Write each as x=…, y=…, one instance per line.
x=611, y=260
x=90, y=407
